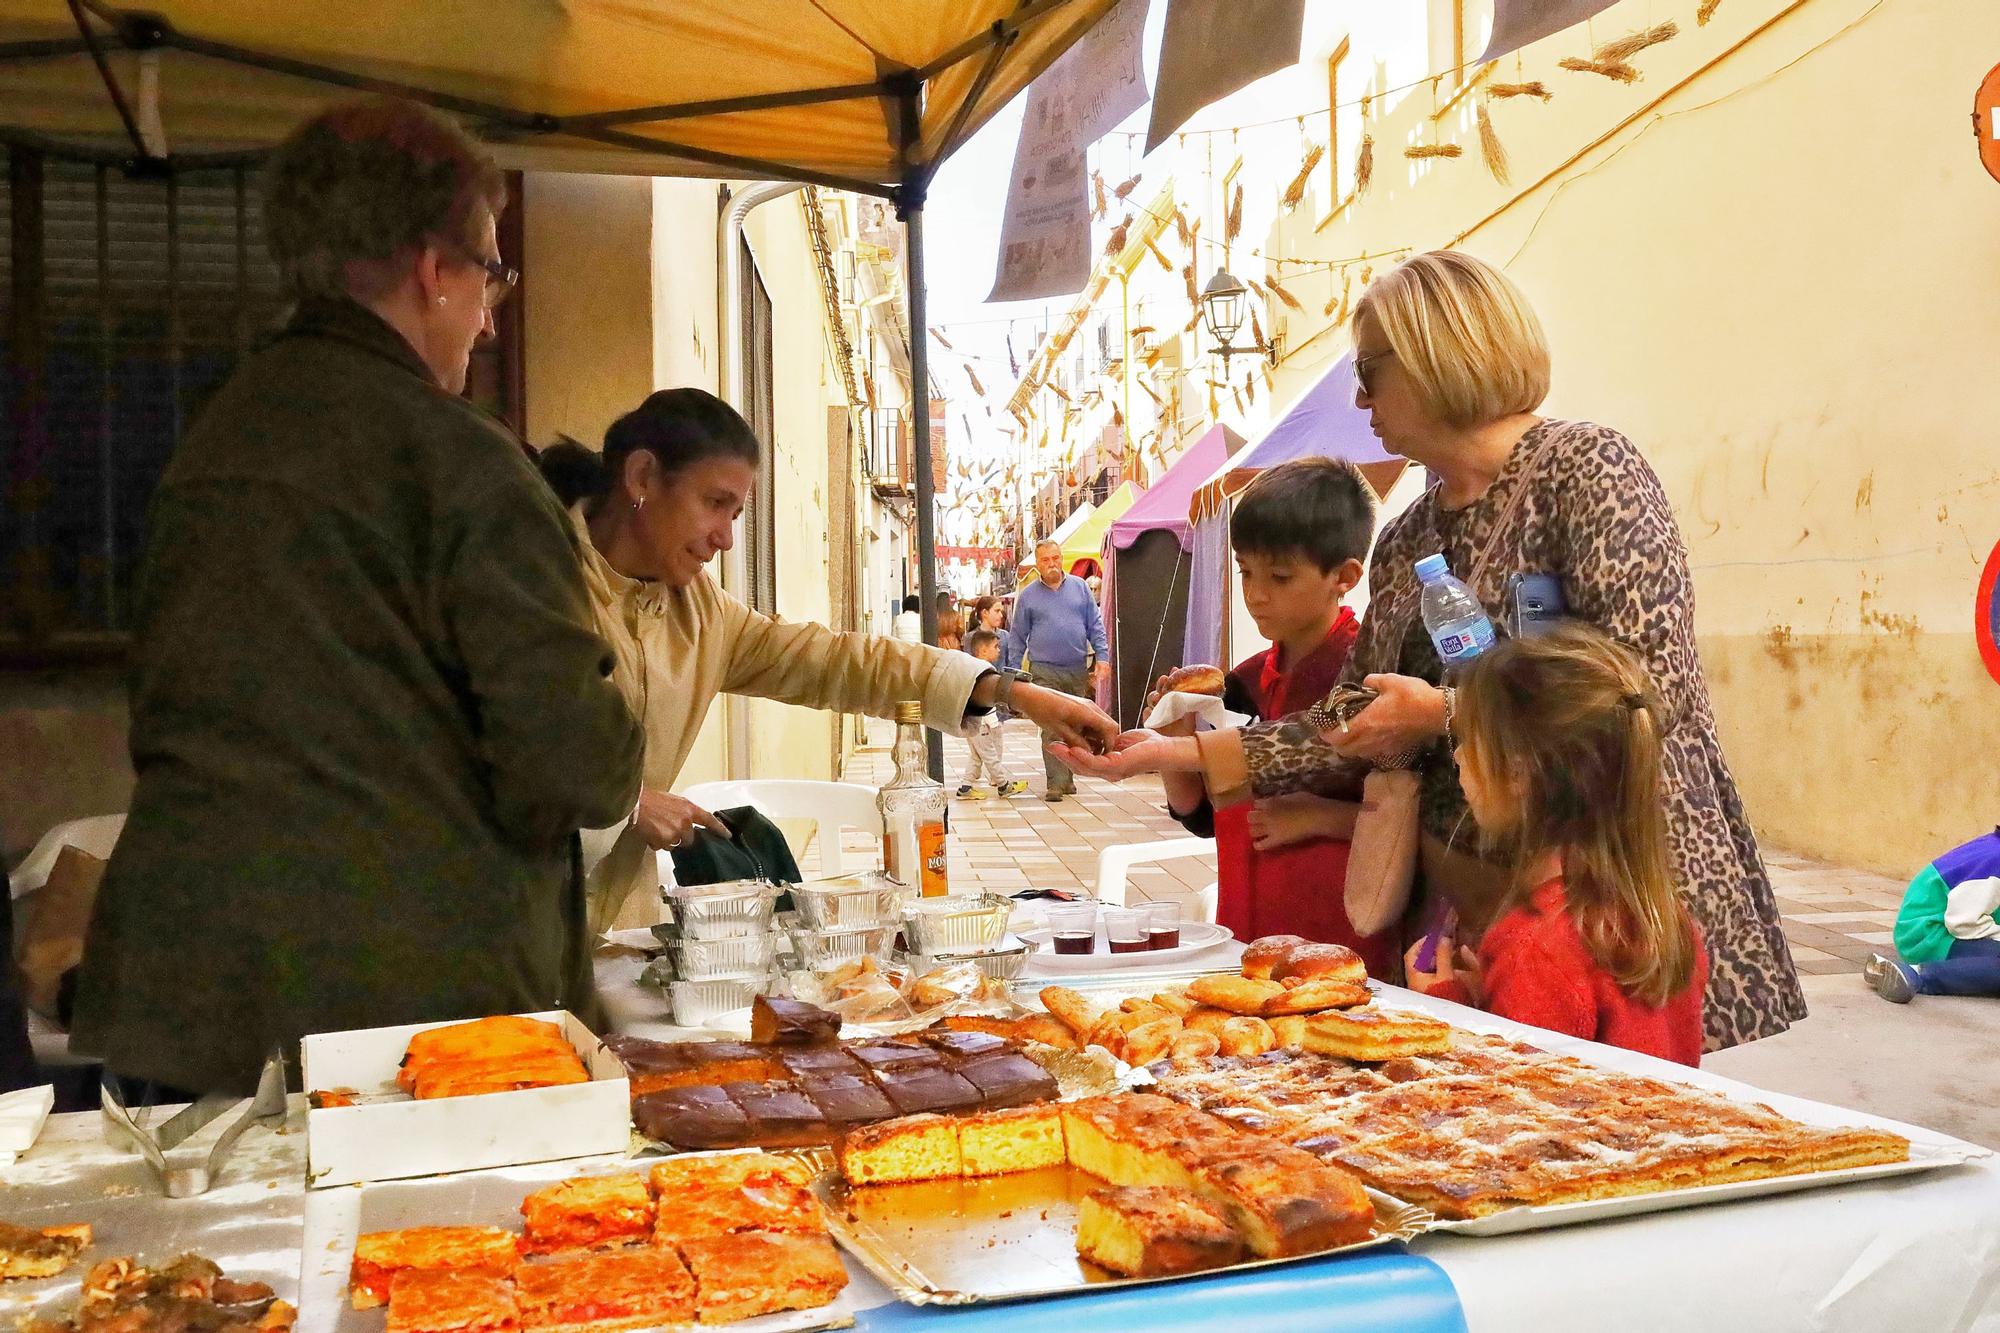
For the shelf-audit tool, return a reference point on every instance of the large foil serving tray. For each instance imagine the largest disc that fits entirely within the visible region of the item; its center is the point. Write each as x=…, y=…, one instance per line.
x=1004, y=1238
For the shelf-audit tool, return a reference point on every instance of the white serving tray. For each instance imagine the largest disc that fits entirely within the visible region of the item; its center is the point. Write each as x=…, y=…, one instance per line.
x=1197, y=937
x=388, y=1134
x=335, y=1218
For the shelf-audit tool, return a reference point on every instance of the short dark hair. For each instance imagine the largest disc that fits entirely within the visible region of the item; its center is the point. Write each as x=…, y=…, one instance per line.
x=367, y=181
x=1320, y=508
x=913, y=603
x=978, y=639
x=679, y=427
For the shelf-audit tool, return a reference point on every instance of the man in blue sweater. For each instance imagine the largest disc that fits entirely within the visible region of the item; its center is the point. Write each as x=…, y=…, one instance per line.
x=1058, y=628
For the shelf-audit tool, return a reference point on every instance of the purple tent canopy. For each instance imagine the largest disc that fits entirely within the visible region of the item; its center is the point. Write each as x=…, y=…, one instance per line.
x=1165, y=503
x=1322, y=422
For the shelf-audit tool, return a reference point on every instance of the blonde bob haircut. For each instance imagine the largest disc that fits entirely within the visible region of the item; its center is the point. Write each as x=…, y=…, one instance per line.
x=1464, y=334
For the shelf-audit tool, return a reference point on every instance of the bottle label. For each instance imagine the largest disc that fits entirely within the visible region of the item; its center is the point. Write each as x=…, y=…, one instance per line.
x=1462, y=645
x=931, y=859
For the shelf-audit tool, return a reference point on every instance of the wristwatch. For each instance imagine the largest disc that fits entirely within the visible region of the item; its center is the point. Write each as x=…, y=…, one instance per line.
x=1004, y=689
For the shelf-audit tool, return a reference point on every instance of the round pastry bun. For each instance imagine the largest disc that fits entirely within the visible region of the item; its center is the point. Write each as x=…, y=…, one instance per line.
x=1264, y=954
x=1197, y=679
x=1321, y=962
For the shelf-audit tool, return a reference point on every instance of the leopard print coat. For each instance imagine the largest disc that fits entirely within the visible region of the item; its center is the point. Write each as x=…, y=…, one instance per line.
x=1579, y=501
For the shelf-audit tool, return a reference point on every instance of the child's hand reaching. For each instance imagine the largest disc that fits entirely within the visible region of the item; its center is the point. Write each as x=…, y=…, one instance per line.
x=1456, y=967
x=1280, y=821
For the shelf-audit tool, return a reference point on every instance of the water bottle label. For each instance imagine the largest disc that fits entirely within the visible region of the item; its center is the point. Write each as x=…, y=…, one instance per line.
x=1470, y=642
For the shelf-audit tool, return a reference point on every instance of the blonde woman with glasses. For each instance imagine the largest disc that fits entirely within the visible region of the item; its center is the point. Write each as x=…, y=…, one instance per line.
x=1543, y=518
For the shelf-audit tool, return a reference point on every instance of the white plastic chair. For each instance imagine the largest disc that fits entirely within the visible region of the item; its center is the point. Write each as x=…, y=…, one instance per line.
x=831, y=806
x=97, y=835
x=1114, y=868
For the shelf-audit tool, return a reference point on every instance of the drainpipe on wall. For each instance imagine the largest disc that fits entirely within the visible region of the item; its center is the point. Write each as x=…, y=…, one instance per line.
x=729, y=353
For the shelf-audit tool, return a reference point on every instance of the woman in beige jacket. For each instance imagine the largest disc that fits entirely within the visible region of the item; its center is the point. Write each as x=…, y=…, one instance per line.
x=654, y=508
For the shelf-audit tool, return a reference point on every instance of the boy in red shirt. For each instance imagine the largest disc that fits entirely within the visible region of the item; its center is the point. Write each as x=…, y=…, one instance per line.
x=1559, y=755
x=1300, y=533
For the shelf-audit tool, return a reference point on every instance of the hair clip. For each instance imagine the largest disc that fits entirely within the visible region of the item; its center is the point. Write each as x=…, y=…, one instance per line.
x=1634, y=702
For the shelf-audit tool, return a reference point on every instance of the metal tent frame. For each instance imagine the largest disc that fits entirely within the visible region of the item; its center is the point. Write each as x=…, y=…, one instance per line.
x=103, y=29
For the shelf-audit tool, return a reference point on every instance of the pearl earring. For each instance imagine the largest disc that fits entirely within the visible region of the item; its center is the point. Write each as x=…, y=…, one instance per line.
x=639, y=503
x=440, y=300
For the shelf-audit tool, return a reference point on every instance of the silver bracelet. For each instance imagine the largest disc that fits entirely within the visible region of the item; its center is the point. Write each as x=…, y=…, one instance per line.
x=1450, y=712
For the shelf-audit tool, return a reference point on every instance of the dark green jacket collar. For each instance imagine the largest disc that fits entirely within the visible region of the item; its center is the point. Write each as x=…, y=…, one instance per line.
x=353, y=323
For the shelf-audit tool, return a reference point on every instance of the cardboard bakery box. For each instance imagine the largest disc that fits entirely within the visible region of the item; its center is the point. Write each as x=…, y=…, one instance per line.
x=387, y=1134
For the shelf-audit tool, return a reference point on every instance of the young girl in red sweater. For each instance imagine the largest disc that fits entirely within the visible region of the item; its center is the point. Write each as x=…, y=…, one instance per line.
x=1559, y=755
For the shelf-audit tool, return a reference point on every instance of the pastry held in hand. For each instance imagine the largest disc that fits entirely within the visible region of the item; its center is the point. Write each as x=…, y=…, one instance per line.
x=1177, y=704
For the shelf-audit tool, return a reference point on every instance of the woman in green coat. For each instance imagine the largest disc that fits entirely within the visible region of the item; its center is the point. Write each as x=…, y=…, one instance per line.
x=368, y=712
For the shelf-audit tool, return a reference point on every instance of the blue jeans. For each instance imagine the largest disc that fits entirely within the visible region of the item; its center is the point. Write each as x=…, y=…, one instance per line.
x=1971, y=968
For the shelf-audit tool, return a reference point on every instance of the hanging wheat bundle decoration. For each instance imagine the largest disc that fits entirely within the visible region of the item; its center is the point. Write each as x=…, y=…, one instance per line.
x=972, y=378
x=1232, y=224
x=1125, y=187
x=1707, y=11
x=1506, y=90
x=1258, y=288
x=1612, y=59
x=1193, y=321
x=1296, y=191
x=1364, y=164
x=1194, y=292
x=1257, y=338
x=943, y=341
x=1423, y=150
x=868, y=390
x=1114, y=244
x=1181, y=231
x=1099, y=205
x=1237, y=394
x=1154, y=249
x=1278, y=290
x=1250, y=391
x=1490, y=146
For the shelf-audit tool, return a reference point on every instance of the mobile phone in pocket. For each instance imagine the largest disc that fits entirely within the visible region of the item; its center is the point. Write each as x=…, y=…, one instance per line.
x=1534, y=603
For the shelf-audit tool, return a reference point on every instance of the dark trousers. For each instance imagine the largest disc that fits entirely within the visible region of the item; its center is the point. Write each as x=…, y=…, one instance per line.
x=1971, y=968
x=1070, y=680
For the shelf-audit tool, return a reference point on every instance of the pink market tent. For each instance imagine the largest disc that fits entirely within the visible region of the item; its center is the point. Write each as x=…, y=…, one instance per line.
x=1148, y=565
x=1321, y=422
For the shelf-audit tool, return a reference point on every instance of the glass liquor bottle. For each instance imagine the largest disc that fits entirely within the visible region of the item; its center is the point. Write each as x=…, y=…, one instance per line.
x=914, y=809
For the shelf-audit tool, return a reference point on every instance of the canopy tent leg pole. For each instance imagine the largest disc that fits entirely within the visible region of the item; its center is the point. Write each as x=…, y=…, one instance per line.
x=920, y=426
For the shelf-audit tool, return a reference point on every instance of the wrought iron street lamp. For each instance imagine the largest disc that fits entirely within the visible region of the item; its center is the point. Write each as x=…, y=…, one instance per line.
x=1222, y=310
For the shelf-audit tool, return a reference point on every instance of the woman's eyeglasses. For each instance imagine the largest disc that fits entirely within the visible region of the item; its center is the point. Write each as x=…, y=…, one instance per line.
x=1364, y=369
x=500, y=279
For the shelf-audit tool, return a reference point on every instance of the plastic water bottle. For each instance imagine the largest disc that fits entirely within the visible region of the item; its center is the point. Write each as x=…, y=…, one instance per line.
x=1457, y=622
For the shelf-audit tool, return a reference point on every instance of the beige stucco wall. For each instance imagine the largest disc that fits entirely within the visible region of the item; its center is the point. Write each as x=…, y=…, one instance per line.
x=788, y=741
x=1784, y=283
x=588, y=340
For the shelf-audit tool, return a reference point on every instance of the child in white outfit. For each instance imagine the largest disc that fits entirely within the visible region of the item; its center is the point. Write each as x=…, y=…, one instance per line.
x=986, y=741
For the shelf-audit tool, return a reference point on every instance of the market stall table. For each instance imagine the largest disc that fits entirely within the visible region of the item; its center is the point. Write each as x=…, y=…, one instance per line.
x=1911, y=1251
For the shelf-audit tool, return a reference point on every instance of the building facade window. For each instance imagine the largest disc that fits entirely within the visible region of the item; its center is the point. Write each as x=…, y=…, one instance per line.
x=124, y=303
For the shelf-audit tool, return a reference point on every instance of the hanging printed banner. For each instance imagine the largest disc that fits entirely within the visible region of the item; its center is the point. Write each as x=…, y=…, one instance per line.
x=1519, y=22
x=1213, y=47
x=1045, y=233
